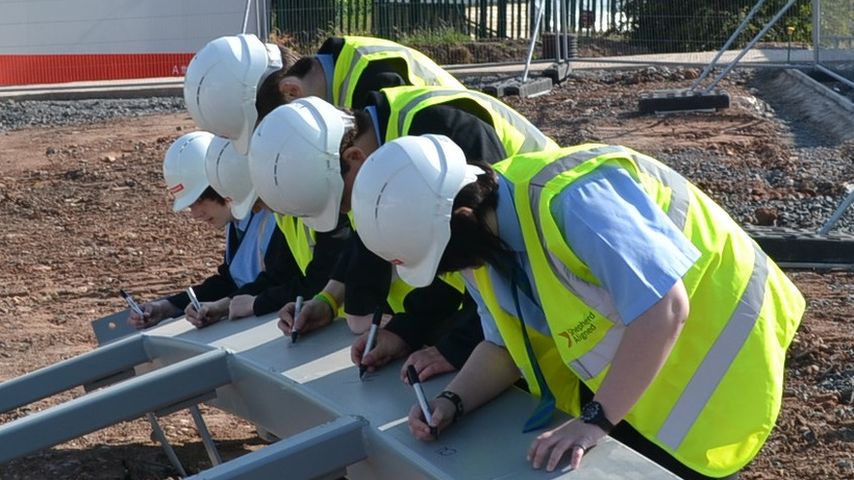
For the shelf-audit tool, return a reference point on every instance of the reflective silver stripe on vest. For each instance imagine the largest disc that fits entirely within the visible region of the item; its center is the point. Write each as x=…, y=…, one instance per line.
x=599, y=357
x=680, y=196
x=417, y=69
x=309, y=237
x=595, y=360
x=535, y=140
x=720, y=357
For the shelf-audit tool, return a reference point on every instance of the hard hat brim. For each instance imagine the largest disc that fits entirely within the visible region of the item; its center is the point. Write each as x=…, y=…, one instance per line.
x=421, y=274
x=184, y=201
x=327, y=219
x=240, y=209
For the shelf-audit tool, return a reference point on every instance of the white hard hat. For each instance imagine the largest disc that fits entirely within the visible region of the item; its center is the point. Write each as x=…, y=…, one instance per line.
x=228, y=174
x=184, y=168
x=221, y=84
x=402, y=202
x=294, y=161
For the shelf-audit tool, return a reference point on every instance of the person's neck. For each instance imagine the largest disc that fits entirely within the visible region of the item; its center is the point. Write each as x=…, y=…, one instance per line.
x=491, y=220
x=367, y=140
x=315, y=80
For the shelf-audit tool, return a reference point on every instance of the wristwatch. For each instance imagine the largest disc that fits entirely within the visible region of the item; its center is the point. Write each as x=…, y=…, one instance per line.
x=593, y=413
x=456, y=400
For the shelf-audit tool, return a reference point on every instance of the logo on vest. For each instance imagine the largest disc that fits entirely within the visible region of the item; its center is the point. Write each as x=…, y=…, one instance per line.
x=580, y=332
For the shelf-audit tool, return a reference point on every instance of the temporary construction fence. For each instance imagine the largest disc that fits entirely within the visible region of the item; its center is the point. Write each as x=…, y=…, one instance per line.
x=834, y=39
x=41, y=42
x=498, y=30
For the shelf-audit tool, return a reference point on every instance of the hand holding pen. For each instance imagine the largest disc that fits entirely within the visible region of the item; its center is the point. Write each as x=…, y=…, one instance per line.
x=148, y=314
x=297, y=311
x=422, y=400
x=132, y=303
x=138, y=318
x=372, y=339
x=197, y=318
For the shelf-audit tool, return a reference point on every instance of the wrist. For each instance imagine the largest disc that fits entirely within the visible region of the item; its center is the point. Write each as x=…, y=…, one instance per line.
x=455, y=401
x=164, y=308
x=328, y=299
x=594, y=414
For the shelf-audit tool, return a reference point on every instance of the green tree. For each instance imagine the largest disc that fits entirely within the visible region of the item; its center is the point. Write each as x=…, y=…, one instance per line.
x=696, y=25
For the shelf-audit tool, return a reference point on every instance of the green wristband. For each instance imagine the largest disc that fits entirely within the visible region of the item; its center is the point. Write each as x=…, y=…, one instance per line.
x=324, y=297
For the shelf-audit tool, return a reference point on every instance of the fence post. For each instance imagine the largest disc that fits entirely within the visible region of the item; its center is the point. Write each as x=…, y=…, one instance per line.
x=816, y=30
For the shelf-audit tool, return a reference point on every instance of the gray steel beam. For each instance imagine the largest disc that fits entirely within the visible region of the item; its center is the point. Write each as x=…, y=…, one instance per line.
x=316, y=452
x=89, y=367
x=123, y=401
x=207, y=440
x=160, y=435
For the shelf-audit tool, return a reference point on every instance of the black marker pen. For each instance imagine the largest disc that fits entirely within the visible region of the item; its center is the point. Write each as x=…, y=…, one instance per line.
x=132, y=304
x=297, y=311
x=422, y=400
x=372, y=339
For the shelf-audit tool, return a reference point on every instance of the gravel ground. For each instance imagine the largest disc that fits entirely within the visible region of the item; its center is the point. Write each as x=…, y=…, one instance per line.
x=799, y=211
x=15, y=115
x=821, y=171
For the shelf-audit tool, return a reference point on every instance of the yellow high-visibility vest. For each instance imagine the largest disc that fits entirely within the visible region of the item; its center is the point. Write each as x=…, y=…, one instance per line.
x=300, y=239
x=717, y=397
x=516, y=133
x=359, y=52
x=399, y=289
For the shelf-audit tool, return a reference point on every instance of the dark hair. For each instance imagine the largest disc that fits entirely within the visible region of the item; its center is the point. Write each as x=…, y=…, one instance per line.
x=210, y=194
x=363, y=124
x=269, y=97
x=472, y=242
x=300, y=68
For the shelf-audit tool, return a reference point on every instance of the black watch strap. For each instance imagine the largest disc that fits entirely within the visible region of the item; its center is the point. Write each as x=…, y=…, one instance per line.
x=594, y=414
x=456, y=400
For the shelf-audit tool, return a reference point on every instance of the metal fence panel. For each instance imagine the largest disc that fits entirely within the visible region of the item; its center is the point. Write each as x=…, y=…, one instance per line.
x=469, y=31
x=465, y=31
x=835, y=36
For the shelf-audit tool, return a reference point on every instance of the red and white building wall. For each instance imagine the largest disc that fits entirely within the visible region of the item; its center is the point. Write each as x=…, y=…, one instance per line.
x=58, y=41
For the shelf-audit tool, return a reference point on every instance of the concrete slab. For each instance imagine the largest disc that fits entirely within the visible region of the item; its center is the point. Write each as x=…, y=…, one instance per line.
x=682, y=100
x=514, y=86
x=532, y=88
x=558, y=72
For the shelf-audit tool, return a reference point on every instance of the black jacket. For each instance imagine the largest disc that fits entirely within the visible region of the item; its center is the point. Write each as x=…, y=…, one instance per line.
x=281, y=281
x=432, y=313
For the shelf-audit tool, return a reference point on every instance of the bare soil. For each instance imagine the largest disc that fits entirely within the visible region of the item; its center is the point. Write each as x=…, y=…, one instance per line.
x=84, y=212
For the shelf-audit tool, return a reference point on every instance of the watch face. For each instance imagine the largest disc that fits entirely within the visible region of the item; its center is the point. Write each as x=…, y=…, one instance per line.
x=590, y=411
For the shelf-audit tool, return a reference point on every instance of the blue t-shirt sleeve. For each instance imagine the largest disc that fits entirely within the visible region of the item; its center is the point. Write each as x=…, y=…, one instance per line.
x=625, y=239
x=487, y=322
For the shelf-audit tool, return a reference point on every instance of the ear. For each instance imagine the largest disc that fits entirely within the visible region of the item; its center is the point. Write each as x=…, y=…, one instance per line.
x=355, y=156
x=464, y=212
x=291, y=88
